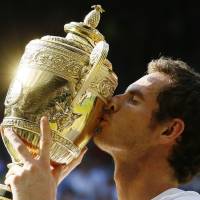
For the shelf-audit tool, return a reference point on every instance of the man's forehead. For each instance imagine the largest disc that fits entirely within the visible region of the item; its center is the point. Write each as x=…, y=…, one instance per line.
x=153, y=80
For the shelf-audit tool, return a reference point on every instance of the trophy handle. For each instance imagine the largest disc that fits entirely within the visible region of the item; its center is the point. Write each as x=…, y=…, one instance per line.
x=97, y=58
x=5, y=192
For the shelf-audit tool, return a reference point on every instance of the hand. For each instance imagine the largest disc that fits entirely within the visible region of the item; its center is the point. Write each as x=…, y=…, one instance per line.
x=36, y=179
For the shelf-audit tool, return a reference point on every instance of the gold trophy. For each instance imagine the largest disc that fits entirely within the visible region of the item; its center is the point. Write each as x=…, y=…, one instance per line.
x=66, y=79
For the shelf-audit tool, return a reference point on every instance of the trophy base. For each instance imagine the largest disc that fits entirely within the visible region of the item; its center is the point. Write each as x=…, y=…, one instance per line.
x=5, y=192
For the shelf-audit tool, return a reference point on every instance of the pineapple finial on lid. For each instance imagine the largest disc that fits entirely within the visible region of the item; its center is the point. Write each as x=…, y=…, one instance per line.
x=93, y=17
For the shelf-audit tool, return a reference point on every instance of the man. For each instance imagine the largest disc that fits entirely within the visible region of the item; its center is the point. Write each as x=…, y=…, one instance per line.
x=151, y=131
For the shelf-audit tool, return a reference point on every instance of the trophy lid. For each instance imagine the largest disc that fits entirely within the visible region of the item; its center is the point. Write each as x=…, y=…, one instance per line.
x=87, y=28
x=82, y=36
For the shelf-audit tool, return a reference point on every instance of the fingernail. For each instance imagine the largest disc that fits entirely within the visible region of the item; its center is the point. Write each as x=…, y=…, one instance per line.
x=44, y=118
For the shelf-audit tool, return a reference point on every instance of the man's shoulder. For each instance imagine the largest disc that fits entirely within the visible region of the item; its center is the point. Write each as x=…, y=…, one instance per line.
x=177, y=194
x=188, y=195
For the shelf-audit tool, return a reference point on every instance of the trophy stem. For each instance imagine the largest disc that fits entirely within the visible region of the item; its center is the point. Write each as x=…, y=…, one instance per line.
x=5, y=192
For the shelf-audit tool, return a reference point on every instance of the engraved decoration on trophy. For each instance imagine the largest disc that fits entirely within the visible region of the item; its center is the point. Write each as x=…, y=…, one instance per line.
x=67, y=79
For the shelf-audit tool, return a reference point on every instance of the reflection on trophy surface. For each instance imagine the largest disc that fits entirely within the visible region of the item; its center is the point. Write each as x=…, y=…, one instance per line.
x=68, y=80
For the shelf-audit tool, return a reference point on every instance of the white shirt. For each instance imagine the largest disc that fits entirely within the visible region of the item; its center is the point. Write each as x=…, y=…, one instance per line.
x=177, y=194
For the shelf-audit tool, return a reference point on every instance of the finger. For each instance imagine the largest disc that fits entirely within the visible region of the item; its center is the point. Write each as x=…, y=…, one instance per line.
x=18, y=145
x=10, y=180
x=78, y=160
x=61, y=171
x=45, y=139
x=1, y=129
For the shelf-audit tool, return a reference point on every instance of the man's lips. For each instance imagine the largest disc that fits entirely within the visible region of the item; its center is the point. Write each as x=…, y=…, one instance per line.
x=104, y=118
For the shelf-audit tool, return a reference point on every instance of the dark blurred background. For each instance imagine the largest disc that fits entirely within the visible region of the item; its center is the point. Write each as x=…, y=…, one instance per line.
x=137, y=32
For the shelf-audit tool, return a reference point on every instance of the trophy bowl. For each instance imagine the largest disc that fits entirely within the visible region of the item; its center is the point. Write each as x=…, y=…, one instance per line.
x=69, y=80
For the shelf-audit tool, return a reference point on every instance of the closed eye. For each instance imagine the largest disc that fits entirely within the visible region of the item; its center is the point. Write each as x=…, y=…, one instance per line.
x=133, y=99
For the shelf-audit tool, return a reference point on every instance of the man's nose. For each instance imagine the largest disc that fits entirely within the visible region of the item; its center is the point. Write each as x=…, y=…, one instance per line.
x=113, y=104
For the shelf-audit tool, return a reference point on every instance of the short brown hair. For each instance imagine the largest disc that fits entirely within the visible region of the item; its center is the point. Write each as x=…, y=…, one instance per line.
x=181, y=99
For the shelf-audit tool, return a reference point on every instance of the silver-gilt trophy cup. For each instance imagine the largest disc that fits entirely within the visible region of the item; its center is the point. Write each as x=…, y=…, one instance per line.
x=66, y=79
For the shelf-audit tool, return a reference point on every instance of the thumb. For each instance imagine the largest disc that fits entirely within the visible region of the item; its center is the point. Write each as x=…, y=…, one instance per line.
x=61, y=171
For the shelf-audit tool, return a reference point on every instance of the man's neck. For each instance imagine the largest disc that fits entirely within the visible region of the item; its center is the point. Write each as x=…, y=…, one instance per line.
x=142, y=178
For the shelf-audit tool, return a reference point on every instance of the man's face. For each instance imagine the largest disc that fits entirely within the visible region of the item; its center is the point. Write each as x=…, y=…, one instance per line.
x=127, y=122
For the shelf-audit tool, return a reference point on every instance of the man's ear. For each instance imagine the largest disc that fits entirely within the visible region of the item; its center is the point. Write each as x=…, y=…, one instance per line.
x=172, y=130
